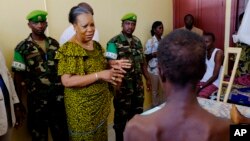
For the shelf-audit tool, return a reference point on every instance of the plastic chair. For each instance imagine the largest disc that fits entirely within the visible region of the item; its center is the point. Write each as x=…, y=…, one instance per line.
x=237, y=52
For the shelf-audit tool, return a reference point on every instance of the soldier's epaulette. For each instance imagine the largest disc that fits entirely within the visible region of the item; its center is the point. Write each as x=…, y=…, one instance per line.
x=115, y=39
x=21, y=44
x=53, y=41
x=122, y=38
x=136, y=38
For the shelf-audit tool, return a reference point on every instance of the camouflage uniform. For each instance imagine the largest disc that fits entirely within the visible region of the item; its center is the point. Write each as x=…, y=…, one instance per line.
x=128, y=100
x=45, y=91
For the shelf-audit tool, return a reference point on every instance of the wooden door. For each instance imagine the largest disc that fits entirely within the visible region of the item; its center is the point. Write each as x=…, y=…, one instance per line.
x=209, y=15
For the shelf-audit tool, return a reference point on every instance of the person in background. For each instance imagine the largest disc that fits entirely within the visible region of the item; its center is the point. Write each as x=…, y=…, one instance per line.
x=35, y=75
x=11, y=110
x=181, y=60
x=151, y=57
x=214, y=60
x=70, y=32
x=85, y=74
x=243, y=70
x=129, y=97
x=189, y=25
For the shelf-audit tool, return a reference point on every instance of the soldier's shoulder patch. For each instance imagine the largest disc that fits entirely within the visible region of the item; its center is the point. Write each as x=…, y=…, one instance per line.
x=18, y=62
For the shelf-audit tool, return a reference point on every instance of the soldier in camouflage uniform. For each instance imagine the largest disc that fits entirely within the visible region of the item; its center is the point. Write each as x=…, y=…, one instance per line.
x=36, y=70
x=129, y=97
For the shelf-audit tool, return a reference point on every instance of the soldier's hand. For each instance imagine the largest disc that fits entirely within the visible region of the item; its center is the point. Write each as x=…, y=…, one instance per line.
x=120, y=64
x=20, y=113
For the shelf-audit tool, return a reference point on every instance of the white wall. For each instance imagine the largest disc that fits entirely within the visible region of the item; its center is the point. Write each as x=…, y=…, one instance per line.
x=107, y=18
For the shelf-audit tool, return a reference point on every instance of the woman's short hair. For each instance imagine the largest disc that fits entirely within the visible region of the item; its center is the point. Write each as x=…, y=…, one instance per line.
x=86, y=6
x=154, y=26
x=75, y=11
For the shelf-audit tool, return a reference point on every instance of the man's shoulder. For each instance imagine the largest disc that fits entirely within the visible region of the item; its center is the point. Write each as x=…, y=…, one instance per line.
x=23, y=44
x=182, y=27
x=53, y=41
x=218, y=50
x=121, y=38
x=139, y=125
x=136, y=38
x=116, y=38
x=219, y=128
x=197, y=30
x=219, y=54
x=20, y=44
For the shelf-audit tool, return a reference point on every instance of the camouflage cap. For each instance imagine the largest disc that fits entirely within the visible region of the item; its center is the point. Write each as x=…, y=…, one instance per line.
x=129, y=17
x=37, y=16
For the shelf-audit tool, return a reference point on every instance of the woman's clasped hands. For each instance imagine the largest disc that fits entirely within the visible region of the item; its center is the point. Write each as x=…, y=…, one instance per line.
x=112, y=75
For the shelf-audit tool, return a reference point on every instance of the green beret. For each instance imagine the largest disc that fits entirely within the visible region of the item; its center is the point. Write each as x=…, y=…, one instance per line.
x=37, y=16
x=129, y=17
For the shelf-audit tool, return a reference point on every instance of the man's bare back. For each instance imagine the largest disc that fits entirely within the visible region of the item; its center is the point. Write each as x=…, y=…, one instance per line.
x=181, y=62
x=177, y=125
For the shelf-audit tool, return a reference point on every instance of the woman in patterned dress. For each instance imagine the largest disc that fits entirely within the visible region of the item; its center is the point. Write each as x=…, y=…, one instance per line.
x=84, y=73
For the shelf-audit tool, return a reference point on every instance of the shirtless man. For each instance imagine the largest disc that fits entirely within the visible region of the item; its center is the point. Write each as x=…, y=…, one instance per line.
x=181, y=62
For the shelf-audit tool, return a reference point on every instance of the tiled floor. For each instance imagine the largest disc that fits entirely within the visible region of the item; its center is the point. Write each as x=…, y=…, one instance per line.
x=22, y=134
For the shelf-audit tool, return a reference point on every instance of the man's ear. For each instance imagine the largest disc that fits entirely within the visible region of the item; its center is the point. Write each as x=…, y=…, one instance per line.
x=122, y=23
x=28, y=24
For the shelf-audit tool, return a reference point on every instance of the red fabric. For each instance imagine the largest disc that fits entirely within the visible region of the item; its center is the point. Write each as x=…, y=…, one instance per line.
x=207, y=91
x=243, y=80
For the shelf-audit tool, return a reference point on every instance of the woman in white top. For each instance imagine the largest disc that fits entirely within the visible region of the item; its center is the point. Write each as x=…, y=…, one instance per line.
x=151, y=54
x=10, y=114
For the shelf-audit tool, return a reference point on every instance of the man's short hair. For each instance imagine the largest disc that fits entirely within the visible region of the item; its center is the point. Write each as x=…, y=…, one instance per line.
x=189, y=15
x=209, y=34
x=181, y=57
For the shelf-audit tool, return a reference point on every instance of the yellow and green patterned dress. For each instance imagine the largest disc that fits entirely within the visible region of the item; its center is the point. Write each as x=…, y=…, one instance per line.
x=88, y=107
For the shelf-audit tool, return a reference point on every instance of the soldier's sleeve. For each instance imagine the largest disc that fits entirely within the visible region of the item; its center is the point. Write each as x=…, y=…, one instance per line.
x=111, y=54
x=142, y=59
x=18, y=67
x=18, y=63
